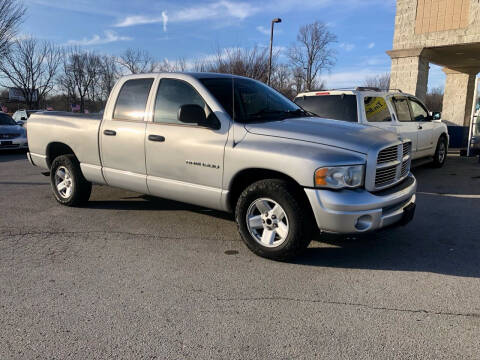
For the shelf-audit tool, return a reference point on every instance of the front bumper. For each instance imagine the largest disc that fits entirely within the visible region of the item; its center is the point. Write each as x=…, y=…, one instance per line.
x=12, y=144
x=355, y=211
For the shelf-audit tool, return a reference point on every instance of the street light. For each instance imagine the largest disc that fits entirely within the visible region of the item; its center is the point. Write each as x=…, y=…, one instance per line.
x=276, y=20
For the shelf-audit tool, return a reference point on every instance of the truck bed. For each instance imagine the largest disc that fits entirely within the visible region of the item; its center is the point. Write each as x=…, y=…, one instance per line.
x=79, y=131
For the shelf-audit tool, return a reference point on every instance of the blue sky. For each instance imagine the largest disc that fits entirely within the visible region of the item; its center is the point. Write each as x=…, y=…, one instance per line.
x=195, y=29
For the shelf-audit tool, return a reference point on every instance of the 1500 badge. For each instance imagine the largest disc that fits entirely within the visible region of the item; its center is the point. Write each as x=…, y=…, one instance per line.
x=199, y=163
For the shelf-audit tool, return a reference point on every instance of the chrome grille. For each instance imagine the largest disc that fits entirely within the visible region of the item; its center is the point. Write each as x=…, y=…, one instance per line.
x=385, y=175
x=9, y=136
x=405, y=169
x=387, y=155
x=407, y=148
x=393, y=165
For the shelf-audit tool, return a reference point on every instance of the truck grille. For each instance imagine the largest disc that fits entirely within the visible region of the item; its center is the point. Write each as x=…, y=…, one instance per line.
x=393, y=165
x=9, y=136
x=387, y=155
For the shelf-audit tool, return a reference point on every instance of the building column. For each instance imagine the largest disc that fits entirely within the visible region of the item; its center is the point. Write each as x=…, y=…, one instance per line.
x=409, y=72
x=458, y=97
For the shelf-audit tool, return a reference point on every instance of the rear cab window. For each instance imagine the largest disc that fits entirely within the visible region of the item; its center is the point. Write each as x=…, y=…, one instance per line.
x=336, y=107
x=132, y=100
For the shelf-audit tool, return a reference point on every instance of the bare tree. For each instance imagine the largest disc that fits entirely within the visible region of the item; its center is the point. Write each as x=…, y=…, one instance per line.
x=282, y=80
x=252, y=62
x=171, y=66
x=80, y=72
x=381, y=81
x=313, y=53
x=11, y=14
x=109, y=74
x=136, y=61
x=434, y=99
x=31, y=66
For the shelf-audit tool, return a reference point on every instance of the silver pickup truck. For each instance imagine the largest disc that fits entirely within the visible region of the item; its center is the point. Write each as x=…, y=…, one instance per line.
x=233, y=144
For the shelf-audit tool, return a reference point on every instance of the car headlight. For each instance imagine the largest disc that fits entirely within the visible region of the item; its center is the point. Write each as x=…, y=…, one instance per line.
x=339, y=177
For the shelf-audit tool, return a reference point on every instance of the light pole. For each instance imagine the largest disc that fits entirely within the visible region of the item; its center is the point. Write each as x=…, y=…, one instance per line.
x=276, y=20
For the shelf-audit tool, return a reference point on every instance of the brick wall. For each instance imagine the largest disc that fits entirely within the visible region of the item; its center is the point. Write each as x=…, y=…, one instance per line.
x=436, y=22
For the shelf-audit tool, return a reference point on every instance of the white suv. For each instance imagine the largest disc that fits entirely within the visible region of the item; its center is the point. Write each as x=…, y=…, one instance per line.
x=401, y=113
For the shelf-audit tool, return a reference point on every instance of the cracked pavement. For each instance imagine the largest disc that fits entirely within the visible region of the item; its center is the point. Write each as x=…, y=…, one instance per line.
x=131, y=276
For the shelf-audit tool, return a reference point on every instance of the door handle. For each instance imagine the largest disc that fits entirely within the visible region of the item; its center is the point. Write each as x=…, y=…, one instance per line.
x=158, y=138
x=420, y=127
x=109, y=132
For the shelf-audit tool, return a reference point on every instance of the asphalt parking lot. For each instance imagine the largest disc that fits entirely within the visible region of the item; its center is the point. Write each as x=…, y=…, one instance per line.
x=130, y=276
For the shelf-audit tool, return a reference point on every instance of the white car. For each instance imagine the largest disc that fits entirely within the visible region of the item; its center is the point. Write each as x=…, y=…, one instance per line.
x=401, y=113
x=21, y=116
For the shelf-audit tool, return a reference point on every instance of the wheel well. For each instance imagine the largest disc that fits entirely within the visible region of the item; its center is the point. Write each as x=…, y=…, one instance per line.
x=56, y=149
x=247, y=177
x=443, y=136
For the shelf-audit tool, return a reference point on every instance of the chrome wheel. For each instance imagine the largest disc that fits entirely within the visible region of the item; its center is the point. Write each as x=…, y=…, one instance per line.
x=267, y=222
x=63, y=182
x=442, y=152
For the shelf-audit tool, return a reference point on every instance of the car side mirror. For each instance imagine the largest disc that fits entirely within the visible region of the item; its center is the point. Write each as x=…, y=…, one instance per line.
x=436, y=115
x=194, y=114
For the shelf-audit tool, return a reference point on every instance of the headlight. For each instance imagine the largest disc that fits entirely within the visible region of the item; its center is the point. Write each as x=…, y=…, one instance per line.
x=338, y=177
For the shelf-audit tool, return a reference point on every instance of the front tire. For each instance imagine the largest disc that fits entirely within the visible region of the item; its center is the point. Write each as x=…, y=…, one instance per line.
x=68, y=183
x=273, y=220
x=441, y=151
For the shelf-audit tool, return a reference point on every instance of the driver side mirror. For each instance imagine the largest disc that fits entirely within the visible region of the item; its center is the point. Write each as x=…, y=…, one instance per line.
x=436, y=115
x=195, y=114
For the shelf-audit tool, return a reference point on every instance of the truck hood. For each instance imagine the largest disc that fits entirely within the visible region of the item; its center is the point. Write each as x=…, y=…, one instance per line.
x=340, y=134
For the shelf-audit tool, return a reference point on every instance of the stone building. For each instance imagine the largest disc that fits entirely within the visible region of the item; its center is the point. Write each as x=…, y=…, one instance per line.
x=443, y=32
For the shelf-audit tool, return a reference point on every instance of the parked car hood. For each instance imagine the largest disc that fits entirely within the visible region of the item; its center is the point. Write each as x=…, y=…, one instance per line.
x=11, y=129
x=341, y=134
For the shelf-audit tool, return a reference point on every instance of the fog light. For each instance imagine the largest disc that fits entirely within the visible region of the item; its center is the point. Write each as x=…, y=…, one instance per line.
x=363, y=223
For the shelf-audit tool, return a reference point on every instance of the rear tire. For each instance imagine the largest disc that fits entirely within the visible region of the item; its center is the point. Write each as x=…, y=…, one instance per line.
x=440, y=153
x=68, y=183
x=273, y=220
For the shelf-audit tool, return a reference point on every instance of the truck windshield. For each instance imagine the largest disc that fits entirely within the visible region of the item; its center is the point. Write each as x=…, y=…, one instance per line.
x=6, y=120
x=254, y=101
x=336, y=107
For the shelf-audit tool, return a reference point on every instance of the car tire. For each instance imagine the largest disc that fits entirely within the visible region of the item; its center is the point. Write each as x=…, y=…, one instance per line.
x=441, y=152
x=273, y=219
x=68, y=183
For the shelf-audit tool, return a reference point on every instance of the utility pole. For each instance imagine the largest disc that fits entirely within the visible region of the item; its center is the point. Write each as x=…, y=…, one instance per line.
x=276, y=20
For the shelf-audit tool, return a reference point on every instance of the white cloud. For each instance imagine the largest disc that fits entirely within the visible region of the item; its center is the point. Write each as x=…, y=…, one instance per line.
x=371, y=45
x=217, y=9
x=266, y=31
x=164, y=20
x=263, y=30
x=347, y=46
x=350, y=78
x=109, y=37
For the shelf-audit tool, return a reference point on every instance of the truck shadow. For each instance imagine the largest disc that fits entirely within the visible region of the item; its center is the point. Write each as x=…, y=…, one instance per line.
x=148, y=202
x=406, y=249
x=12, y=155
